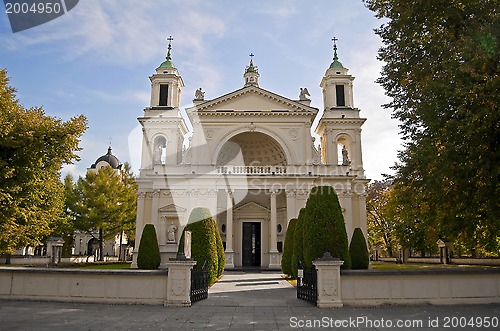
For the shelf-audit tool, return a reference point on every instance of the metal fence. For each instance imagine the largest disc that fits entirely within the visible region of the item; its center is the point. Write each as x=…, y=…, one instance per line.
x=307, y=286
x=199, y=284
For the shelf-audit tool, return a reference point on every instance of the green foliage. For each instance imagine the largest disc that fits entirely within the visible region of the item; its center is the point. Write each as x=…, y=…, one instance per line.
x=148, y=256
x=203, y=241
x=287, y=256
x=33, y=148
x=221, y=256
x=380, y=218
x=324, y=228
x=298, y=242
x=358, y=250
x=106, y=201
x=441, y=71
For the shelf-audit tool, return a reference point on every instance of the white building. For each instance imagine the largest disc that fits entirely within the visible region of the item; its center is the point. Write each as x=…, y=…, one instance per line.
x=251, y=160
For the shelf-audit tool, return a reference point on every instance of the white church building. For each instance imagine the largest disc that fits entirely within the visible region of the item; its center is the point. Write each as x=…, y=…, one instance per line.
x=251, y=159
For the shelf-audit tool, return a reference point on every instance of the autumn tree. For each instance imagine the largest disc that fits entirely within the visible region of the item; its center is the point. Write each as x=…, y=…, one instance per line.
x=33, y=148
x=380, y=216
x=105, y=201
x=442, y=73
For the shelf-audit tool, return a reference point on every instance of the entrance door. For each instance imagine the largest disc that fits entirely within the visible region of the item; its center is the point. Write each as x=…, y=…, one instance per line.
x=251, y=244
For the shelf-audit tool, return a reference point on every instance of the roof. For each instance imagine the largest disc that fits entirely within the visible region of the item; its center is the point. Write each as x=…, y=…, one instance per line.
x=108, y=158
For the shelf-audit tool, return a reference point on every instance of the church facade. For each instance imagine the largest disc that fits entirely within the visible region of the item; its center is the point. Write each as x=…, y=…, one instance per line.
x=251, y=159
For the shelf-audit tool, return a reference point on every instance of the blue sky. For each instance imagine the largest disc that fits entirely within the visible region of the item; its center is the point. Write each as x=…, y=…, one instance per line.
x=95, y=60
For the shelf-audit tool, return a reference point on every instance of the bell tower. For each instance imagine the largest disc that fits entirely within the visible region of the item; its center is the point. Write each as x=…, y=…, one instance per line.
x=162, y=124
x=340, y=124
x=166, y=83
x=251, y=74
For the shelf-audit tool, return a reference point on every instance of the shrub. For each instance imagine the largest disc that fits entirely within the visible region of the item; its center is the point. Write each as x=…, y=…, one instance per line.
x=221, y=256
x=359, y=251
x=324, y=228
x=286, y=258
x=148, y=256
x=203, y=241
x=298, y=243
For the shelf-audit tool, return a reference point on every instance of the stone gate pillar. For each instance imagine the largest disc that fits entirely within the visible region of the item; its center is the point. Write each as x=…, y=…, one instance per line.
x=179, y=282
x=329, y=285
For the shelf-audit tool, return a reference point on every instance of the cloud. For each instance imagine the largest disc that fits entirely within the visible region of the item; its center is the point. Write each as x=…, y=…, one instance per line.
x=121, y=32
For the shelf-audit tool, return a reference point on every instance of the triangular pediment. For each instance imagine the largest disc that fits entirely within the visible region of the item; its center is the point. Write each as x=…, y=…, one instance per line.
x=253, y=99
x=251, y=207
x=171, y=208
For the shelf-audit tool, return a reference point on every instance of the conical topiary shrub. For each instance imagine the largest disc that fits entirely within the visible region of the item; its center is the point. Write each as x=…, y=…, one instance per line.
x=324, y=229
x=221, y=255
x=359, y=251
x=286, y=258
x=148, y=256
x=203, y=241
x=298, y=243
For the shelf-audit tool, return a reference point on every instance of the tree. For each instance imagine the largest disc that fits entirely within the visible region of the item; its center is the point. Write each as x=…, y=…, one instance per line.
x=105, y=201
x=33, y=148
x=298, y=242
x=148, y=256
x=381, y=222
x=286, y=259
x=358, y=250
x=324, y=227
x=203, y=241
x=441, y=71
x=221, y=255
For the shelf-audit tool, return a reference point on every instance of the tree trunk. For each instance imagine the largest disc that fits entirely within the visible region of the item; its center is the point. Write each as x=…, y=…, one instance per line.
x=120, y=253
x=101, y=256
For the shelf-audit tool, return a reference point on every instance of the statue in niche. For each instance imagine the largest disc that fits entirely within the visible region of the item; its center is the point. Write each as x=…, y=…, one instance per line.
x=316, y=156
x=157, y=154
x=199, y=94
x=345, y=156
x=304, y=93
x=172, y=229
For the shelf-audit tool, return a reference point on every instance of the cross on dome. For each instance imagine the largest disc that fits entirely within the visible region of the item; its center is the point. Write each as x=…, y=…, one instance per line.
x=336, y=63
x=168, y=59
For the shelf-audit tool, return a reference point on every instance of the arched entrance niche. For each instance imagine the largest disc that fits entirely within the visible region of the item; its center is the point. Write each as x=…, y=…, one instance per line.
x=252, y=149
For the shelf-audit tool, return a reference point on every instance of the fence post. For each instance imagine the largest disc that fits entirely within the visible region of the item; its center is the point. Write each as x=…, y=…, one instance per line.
x=329, y=285
x=179, y=282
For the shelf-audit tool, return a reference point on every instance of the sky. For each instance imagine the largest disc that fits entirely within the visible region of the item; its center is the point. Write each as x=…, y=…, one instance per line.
x=96, y=59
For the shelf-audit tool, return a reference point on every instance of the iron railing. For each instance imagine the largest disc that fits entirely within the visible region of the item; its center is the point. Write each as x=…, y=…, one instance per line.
x=199, y=284
x=307, y=285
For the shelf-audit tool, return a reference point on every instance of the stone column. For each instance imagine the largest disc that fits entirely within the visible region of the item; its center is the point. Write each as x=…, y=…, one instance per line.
x=154, y=216
x=273, y=248
x=229, y=231
x=139, y=226
x=179, y=283
x=291, y=211
x=329, y=285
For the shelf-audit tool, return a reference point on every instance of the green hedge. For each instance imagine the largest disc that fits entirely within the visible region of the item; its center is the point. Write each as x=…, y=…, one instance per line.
x=324, y=228
x=298, y=242
x=359, y=251
x=203, y=241
x=148, y=256
x=221, y=256
x=286, y=258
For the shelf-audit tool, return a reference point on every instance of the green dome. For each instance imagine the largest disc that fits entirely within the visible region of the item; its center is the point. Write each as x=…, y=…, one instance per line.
x=336, y=65
x=167, y=64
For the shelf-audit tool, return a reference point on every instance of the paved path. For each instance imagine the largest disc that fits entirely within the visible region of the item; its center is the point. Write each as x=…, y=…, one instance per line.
x=239, y=301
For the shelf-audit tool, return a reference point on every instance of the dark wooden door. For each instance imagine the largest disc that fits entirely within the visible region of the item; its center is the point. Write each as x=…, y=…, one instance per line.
x=251, y=244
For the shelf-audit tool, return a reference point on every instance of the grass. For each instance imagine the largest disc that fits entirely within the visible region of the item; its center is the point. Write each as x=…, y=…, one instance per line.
x=421, y=266
x=107, y=266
